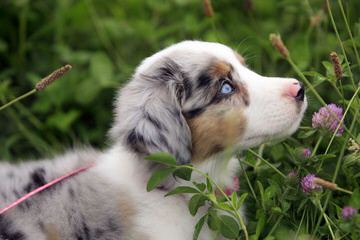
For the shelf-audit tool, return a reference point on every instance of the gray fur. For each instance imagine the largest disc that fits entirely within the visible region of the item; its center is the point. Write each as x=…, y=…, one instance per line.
x=84, y=205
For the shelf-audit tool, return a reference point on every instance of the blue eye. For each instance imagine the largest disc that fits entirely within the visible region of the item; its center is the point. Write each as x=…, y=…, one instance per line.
x=226, y=88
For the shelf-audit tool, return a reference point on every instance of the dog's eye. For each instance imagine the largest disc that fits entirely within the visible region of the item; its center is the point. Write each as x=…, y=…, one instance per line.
x=226, y=88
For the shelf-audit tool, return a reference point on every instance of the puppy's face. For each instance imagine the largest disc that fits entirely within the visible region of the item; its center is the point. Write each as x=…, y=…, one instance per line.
x=222, y=102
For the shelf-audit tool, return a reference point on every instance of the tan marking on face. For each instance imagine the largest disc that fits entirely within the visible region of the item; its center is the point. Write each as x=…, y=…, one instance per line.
x=51, y=232
x=240, y=58
x=219, y=69
x=219, y=127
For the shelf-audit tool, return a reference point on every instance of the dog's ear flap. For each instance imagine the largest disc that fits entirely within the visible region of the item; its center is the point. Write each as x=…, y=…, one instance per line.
x=148, y=113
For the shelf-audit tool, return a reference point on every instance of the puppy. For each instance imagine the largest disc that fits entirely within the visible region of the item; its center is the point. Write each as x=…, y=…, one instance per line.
x=195, y=100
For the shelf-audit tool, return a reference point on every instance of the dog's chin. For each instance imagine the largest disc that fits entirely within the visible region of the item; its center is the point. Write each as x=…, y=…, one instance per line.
x=271, y=138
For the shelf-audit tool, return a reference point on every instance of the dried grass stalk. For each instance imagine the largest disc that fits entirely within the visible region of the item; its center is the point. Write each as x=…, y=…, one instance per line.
x=46, y=81
x=279, y=45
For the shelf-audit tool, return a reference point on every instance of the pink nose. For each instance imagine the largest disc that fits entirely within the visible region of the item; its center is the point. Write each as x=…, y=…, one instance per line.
x=297, y=91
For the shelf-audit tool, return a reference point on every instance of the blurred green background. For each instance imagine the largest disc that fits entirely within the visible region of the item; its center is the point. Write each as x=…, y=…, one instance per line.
x=106, y=40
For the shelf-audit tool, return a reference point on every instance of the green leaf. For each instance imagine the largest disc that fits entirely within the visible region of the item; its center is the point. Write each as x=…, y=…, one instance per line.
x=182, y=189
x=241, y=200
x=306, y=134
x=63, y=120
x=102, y=69
x=276, y=210
x=208, y=185
x=225, y=206
x=200, y=186
x=234, y=199
x=355, y=199
x=183, y=173
x=198, y=227
x=260, y=225
x=195, y=202
x=261, y=189
x=213, y=220
x=162, y=157
x=157, y=177
x=229, y=228
x=322, y=157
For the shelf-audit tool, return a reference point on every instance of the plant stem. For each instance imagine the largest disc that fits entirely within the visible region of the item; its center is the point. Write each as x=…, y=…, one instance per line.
x=248, y=182
x=267, y=163
x=326, y=220
x=340, y=42
x=317, y=145
x=275, y=225
x=238, y=216
x=17, y=99
x=349, y=31
x=337, y=169
x=344, y=190
x=302, y=76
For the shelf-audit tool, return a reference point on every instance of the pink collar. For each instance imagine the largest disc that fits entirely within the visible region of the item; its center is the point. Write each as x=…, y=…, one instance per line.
x=47, y=185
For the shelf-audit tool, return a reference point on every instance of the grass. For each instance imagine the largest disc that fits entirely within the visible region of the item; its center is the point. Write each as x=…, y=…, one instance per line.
x=105, y=41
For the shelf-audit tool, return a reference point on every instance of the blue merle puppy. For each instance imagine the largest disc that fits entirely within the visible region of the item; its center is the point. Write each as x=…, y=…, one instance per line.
x=195, y=100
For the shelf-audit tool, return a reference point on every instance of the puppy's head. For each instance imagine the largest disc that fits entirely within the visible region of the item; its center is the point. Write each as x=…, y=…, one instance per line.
x=195, y=99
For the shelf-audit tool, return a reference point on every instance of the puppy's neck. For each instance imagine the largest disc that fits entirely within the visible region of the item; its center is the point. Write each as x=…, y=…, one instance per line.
x=119, y=163
x=221, y=167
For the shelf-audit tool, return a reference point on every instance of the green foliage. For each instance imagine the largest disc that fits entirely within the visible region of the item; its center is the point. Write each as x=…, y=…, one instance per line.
x=106, y=40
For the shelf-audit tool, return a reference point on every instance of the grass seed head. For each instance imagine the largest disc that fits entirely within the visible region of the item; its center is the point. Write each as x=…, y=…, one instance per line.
x=208, y=9
x=46, y=81
x=336, y=65
x=279, y=45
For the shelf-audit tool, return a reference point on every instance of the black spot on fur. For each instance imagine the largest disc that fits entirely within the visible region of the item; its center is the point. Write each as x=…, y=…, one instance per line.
x=37, y=179
x=71, y=193
x=99, y=233
x=204, y=80
x=193, y=113
x=3, y=195
x=136, y=141
x=164, y=142
x=187, y=87
x=10, y=175
x=41, y=226
x=112, y=225
x=154, y=121
x=170, y=71
x=83, y=233
x=7, y=230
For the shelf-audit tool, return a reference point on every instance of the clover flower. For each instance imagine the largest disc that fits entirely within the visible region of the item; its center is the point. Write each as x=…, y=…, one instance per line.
x=306, y=152
x=328, y=117
x=348, y=212
x=234, y=188
x=308, y=183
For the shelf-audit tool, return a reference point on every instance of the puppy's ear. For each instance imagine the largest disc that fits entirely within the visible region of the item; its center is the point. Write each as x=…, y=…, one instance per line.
x=148, y=117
